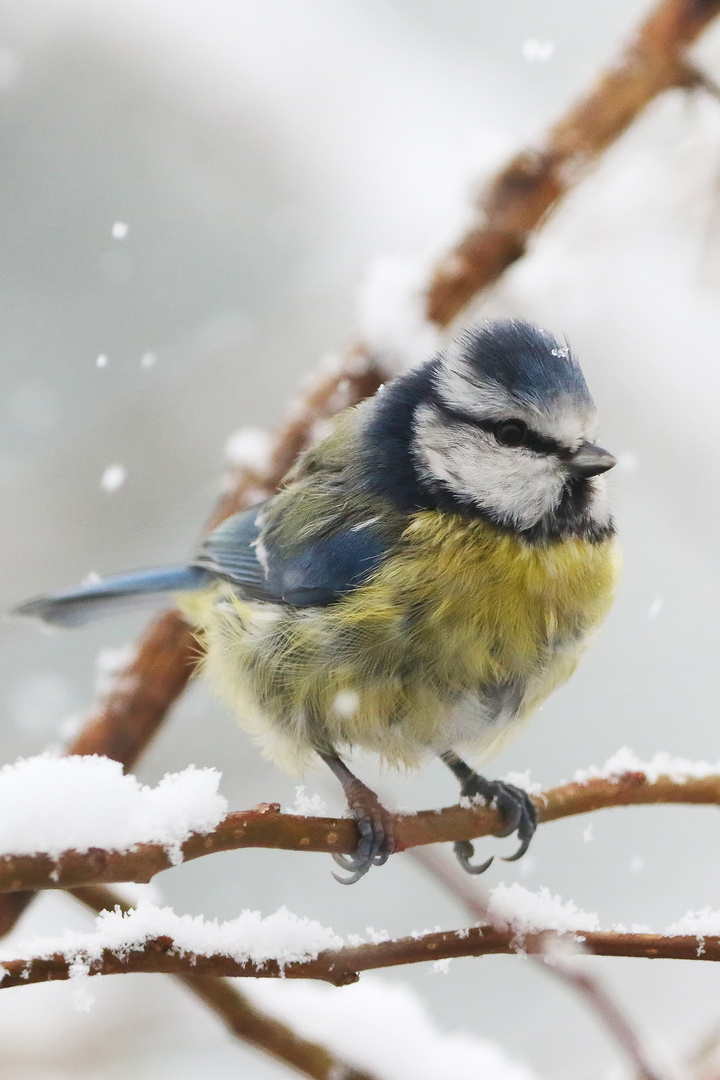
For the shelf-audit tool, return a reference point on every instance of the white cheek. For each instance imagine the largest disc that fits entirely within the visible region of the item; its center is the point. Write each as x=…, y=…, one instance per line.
x=600, y=507
x=518, y=485
x=515, y=485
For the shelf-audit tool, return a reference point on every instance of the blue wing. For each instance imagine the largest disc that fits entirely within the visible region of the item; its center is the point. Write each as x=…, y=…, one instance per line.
x=317, y=574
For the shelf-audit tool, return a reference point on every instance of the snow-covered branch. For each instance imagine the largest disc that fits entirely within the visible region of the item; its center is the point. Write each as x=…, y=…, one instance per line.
x=168, y=829
x=341, y=966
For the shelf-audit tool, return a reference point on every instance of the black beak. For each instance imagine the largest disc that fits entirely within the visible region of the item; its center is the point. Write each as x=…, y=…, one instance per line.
x=589, y=460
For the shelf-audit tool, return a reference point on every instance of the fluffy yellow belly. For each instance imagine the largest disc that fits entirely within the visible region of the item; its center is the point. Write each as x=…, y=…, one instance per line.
x=461, y=633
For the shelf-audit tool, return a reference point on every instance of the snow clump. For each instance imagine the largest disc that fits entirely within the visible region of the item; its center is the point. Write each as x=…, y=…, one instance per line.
x=661, y=764
x=249, y=938
x=703, y=923
x=514, y=907
x=52, y=804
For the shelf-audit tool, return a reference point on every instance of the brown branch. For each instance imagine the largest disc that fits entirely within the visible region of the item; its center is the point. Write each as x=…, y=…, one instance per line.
x=241, y=1017
x=266, y=827
x=343, y=966
x=268, y=1034
x=522, y=195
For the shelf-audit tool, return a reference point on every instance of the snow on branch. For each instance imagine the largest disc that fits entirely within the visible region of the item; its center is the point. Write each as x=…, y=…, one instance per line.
x=241, y=1016
x=187, y=815
x=151, y=939
x=50, y=804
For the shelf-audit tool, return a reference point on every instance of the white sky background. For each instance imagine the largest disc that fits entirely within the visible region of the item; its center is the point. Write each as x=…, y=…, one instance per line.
x=263, y=156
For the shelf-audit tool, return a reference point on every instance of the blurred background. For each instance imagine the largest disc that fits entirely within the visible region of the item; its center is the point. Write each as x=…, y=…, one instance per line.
x=263, y=157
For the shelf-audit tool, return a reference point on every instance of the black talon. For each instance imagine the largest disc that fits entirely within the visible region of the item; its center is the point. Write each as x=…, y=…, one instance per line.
x=369, y=851
x=464, y=852
x=512, y=826
x=512, y=803
x=353, y=877
x=520, y=851
x=346, y=862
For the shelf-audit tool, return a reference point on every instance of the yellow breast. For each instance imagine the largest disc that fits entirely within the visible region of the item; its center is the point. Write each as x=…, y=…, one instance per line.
x=458, y=607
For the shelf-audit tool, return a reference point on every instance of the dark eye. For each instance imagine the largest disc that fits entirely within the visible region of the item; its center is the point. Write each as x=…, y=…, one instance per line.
x=511, y=432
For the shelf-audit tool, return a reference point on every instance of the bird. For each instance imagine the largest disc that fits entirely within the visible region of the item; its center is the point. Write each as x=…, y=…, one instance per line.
x=427, y=574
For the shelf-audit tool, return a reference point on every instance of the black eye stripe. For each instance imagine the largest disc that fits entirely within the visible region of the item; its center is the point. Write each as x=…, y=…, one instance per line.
x=541, y=444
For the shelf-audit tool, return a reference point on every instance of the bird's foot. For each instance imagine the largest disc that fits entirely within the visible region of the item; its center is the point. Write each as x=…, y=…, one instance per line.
x=375, y=838
x=514, y=806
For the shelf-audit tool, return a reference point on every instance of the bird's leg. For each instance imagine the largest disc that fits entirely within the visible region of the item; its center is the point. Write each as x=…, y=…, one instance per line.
x=375, y=841
x=512, y=803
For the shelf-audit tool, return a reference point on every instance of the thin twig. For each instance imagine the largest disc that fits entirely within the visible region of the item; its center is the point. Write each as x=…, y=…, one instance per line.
x=265, y=826
x=522, y=195
x=343, y=966
x=241, y=1017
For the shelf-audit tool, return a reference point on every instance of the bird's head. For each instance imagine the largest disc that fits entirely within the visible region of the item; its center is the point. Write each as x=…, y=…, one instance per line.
x=501, y=424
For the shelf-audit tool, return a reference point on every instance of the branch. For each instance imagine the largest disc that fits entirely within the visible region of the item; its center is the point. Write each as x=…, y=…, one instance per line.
x=241, y=1017
x=268, y=1034
x=520, y=198
x=266, y=827
x=343, y=966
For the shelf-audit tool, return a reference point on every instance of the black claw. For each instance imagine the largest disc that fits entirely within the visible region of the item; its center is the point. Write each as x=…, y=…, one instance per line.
x=520, y=851
x=346, y=862
x=361, y=872
x=515, y=807
x=374, y=849
x=512, y=825
x=464, y=852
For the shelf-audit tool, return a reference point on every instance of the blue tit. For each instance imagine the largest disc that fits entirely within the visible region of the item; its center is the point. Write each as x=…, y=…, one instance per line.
x=426, y=576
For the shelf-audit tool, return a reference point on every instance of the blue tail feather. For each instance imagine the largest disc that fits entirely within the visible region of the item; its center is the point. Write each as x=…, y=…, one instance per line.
x=112, y=595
